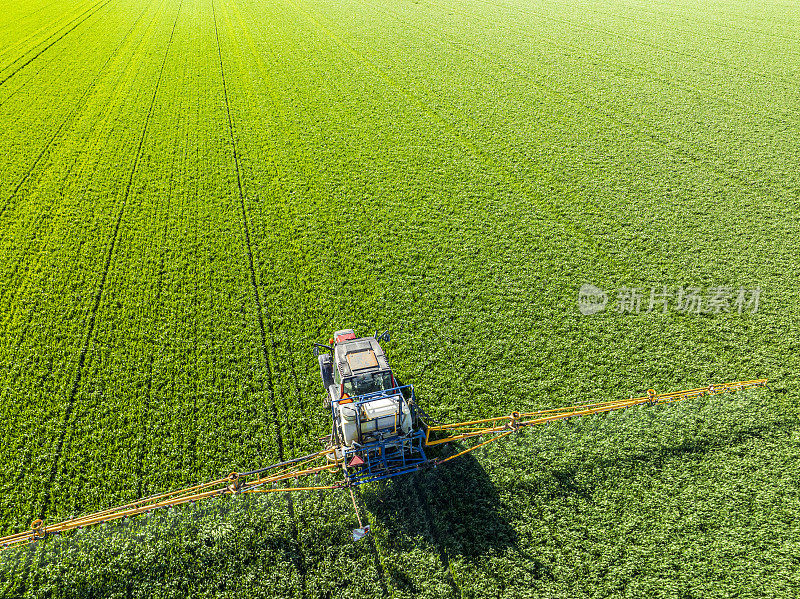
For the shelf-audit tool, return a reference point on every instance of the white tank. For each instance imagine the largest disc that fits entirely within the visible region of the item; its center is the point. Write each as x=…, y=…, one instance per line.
x=388, y=414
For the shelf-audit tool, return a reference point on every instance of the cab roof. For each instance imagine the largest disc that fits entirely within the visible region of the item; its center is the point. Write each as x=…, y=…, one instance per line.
x=359, y=356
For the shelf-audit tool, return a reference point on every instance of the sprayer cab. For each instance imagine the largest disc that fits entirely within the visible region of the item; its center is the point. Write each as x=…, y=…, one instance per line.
x=373, y=416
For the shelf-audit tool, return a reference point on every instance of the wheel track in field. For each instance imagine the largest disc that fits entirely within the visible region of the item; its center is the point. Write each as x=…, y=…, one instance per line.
x=245, y=31
x=626, y=119
x=99, y=293
x=301, y=562
x=19, y=289
x=429, y=523
x=89, y=13
x=249, y=251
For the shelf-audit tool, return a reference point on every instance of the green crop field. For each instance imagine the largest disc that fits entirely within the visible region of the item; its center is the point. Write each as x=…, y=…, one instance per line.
x=194, y=191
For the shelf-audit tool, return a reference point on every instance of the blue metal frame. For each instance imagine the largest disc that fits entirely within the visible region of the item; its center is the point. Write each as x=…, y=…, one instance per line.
x=393, y=452
x=387, y=458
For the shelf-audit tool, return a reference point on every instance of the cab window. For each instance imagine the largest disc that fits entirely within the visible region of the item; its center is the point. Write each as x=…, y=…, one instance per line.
x=367, y=383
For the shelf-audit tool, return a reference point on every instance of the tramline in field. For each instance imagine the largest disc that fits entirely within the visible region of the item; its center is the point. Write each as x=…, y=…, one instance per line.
x=378, y=431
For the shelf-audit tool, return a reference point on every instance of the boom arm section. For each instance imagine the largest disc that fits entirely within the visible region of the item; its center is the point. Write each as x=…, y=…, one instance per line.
x=263, y=480
x=503, y=426
x=255, y=481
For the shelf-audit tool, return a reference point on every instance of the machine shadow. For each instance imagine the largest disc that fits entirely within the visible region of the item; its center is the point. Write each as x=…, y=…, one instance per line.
x=455, y=507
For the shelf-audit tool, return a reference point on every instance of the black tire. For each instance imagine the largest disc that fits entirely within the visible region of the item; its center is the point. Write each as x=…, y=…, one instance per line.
x=325, y=370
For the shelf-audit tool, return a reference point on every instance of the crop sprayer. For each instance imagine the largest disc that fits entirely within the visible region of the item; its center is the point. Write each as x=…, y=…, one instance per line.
x=378, y=431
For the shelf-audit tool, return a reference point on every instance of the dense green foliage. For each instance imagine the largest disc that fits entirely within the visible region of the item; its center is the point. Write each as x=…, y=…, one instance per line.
x=193, y=191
